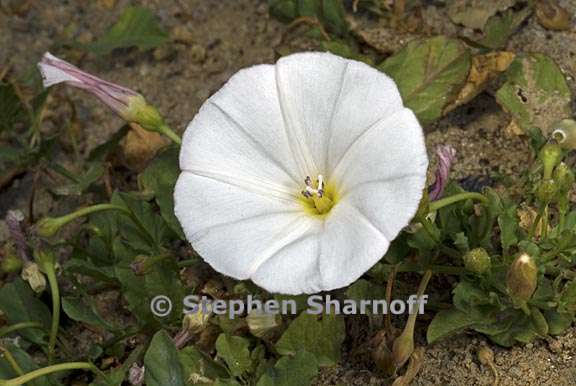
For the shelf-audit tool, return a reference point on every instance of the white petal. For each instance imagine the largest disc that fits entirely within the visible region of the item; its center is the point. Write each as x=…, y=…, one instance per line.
x=328, y=256
x=390, y=149
x=309, y=87
x=233, y=229
x=52, y=75
x=239, y=131
x=389, y=205
x=367, y=96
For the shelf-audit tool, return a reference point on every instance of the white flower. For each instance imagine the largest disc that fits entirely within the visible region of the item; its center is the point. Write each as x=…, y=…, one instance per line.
x=298, y=175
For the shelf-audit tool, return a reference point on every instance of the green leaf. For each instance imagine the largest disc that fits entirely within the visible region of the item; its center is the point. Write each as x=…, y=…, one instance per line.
x=197, y=364
x=162, y=363
x=535, y=93
x=78, y=310
x=12, y=111
x=365, y=290
x=160, y=178
x=500, y=27
x=558, y=322
x=288, y=371
x=508, y=222
x=284, y=10
x=19, y=304
x=146, y=231
x=235, y=352
x=137, y=27
x=321, y=337
x=26, y=362
x=429, y=73
x=160, y=279
x=447, y=322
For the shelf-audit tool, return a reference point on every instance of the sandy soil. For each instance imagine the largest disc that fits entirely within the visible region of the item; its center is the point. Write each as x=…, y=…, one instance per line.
x=212, y=40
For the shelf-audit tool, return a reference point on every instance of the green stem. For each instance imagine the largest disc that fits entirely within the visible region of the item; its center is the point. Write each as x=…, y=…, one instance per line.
x=167, y=131
x=412, y=317
x=45, y=371
x=55, y=291
x=443, y=269
x=19, y=326
x=10, y=359
x=435, y=205
x=429, y=229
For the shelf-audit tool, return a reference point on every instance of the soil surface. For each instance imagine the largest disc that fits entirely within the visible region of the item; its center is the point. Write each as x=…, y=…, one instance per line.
x=213, y=39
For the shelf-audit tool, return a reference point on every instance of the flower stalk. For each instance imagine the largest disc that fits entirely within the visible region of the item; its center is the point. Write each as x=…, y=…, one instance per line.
x=47, y=262
x=49, y=226
x=438, y=204
x=403, y=346
x=23, y=379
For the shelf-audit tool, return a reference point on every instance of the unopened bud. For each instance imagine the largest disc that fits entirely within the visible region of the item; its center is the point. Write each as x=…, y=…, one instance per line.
x=477, y=260
x=197, y=321
x=550, y=155
x=522, y=278
x=564, y=177
x=48, y=226
x=383, y=357
x=547, y=190
x=402, y=348
x=486, y=356
x=10, y=262
x=31, y=273
x=262, y=324
x=136, y=374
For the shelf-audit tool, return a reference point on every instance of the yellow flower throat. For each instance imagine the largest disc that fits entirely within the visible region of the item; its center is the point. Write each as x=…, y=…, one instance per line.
x=318, y=198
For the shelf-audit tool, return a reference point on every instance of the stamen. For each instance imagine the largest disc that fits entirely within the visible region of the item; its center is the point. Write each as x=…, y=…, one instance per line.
x=322, y=203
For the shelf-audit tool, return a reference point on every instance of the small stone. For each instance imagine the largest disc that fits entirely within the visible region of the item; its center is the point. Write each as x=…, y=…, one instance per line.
x=182, y=34
x=161, y=53
x=196, y=53
x=555, y=346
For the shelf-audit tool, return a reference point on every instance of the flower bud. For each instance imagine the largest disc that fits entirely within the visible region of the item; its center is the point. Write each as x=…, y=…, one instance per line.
x=196, y=322
x=402, y=348
x=10, y=262
x=31, y=273
x=522, y=278
x=136, y=374
x=550, y=155
x=383, y=357
x=128, y=104
x=262, y=324
x=486, y=356
x=477, y=260
x=446, y=155
x=547, y=190
x=564, y=177
x=49, y=226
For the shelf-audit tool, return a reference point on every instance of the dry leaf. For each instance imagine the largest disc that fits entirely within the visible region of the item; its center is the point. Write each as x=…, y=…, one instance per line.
x=140, y=147
x=484, y=68
x=475, y=13
x=552, y=16
x=513, y=129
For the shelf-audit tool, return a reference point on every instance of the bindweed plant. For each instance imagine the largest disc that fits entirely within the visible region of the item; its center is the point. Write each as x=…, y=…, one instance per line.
x=509, y=251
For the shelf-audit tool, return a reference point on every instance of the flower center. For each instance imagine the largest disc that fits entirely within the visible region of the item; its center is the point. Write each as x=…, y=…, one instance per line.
x=318, y=198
